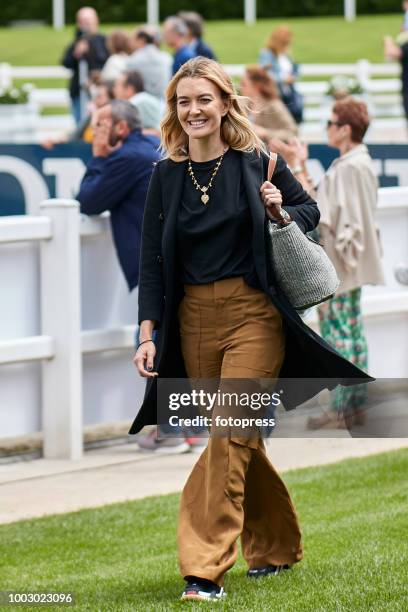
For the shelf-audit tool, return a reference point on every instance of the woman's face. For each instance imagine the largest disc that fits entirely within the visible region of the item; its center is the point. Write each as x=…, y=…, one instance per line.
x=200, y=107
x=101, y=96
x=337, y=133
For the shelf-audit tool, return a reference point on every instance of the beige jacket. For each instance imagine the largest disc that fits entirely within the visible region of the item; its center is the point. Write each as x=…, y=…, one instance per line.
x=275, y=117
x=347, y=200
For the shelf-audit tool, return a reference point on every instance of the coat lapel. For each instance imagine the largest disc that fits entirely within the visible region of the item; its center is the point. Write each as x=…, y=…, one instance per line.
x=253, y=176
x=174, y=175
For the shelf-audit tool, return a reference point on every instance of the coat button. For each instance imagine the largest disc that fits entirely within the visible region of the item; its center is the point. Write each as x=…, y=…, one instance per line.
x=159, y=259
x=161, y=216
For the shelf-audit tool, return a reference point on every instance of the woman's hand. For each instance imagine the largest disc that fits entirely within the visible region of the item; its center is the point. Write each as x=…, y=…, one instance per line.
x=392, y=51
x=290, y=79
x=272, y=199
x=144, y=359
x=295, y=152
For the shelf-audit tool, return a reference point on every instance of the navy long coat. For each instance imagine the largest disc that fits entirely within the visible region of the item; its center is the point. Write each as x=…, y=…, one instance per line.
x=307, y=356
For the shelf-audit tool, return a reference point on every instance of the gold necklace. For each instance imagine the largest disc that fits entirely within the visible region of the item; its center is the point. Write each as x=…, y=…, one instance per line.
x=205, y=197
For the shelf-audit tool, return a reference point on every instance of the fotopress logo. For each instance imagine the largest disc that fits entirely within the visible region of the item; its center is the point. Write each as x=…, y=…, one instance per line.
x=207, y=401
x=261, y=407
x=239, y=407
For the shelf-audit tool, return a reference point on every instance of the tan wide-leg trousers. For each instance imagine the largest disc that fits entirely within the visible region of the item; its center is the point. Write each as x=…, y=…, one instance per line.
x=231, y=330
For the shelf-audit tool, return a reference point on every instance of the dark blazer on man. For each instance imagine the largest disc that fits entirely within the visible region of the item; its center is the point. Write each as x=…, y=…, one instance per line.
x=307, y=356
x=119, y=183
x=95, y=59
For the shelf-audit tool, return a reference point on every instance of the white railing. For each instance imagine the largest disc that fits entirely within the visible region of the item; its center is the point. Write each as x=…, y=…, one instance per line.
x=383, y=94
x=61, y=343
x=380, y=82
x=383, y=90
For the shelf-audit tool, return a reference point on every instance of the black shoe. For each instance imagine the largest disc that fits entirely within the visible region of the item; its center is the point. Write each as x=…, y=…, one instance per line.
x=269, y=570
x=204, y=590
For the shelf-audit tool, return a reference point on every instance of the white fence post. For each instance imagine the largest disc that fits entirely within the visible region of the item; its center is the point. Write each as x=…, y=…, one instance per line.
x=350, y=10
x=61, y=319
x=363, y=73
x=152, y=12
x=6, y=80
x=250, y=11
x=58, y=14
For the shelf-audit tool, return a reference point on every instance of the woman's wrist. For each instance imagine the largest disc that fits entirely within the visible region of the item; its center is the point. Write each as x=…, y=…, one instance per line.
x=297, y=169
x=285, y=219
x=146, y=331
x=144, y=342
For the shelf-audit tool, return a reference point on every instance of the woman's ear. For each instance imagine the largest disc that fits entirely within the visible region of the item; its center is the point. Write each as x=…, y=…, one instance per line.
x=346, y=128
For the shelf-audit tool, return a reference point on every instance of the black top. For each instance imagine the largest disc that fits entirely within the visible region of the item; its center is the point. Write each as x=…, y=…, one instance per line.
x=95, y=58
x=214, y=239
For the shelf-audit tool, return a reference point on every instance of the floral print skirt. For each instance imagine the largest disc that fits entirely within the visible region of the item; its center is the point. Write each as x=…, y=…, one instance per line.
x=341, y=325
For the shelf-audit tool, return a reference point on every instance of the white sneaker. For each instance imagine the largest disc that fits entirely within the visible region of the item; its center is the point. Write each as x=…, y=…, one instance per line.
x=198, y=592
x=165, y=446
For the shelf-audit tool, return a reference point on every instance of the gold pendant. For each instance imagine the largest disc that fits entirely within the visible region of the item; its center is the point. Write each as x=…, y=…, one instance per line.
x=205, y=198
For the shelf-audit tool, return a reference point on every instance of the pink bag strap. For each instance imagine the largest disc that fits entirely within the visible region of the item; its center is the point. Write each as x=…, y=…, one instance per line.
x=273, y=158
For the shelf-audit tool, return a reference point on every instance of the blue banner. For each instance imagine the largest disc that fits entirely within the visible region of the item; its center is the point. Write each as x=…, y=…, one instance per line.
x=30, y=174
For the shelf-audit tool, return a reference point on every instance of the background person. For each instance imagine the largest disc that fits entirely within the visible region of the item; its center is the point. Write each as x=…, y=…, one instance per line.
x=276, y=59
x=153, y=64
x=205, y=287
x=195, y=24
x=399, y=52
x=405, y=9
x=347, y=200
x=118, y=44
x=89, y=46
x=129, y=86
x=176, y=36
x=101, y=94
x=269, y=115
x=117, y=179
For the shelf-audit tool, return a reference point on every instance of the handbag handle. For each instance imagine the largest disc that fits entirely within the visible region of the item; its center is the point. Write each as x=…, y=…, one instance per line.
x=273, y=158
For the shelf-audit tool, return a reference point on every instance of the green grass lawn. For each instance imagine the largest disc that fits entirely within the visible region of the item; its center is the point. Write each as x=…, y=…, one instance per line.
x=123, y=557
x=317, y=40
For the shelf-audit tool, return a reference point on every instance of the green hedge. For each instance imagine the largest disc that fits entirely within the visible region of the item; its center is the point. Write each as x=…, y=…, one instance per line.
x=134, y=11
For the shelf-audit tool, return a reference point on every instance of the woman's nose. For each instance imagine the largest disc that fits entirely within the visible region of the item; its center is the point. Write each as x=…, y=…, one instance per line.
x=195, y=108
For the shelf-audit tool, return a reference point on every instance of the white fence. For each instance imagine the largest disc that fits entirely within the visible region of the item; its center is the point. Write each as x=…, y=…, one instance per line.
x=61, y=321
x=380, y=82
x=84, y=322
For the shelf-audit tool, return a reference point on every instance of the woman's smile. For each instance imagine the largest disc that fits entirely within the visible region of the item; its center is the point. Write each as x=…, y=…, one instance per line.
x=197, y=123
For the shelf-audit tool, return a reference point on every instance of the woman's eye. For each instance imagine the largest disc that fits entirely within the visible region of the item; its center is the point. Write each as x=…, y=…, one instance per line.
x=206, y=100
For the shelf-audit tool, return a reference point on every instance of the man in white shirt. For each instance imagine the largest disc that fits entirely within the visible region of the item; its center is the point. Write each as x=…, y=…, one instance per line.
x=153, y=64
x=129, y=86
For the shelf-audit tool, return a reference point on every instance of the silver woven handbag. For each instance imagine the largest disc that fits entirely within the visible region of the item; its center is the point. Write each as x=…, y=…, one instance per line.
x=302, y=269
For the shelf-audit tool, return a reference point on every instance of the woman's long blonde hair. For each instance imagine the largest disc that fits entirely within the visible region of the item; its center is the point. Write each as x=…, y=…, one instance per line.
x=236, y=129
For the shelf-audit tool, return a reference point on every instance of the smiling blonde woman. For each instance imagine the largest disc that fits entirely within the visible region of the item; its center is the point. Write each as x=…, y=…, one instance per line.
x=207, y=288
